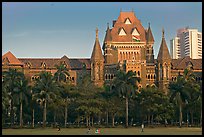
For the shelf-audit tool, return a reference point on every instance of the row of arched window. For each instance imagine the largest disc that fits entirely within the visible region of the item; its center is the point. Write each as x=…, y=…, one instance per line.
x=67, y=78
x=151, y=76
x=129, y=55
x=109, y=76
x=130, y=46
x=196, y=78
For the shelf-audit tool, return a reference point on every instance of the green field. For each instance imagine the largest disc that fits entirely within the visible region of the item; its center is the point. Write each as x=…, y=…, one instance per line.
x=105, y=131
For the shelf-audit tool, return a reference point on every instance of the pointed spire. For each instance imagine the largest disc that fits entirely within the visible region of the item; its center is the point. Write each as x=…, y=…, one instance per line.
x=108, y=34
x=163, y=51
x=97, y=52
x=149, y=35
x=96, y=32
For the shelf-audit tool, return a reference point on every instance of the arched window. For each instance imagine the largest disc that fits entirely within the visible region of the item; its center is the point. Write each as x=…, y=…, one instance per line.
x=109, y=77
x=148, y=76
x=154, y=76
x=106, y=76
x=151, y=76
x=161, y=74
x=138, y=73
x=172, y=78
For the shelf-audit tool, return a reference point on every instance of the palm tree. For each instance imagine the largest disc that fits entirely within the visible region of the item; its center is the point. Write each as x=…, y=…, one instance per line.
x=125, y=85
x=45, y=88
x=178, y=93
x=61, y=73
x=22, y=92
x=60, y=76
x=10, y=79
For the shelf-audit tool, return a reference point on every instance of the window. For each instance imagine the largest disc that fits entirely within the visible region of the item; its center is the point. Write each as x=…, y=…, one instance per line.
x=135, y=32
x=122, y=32
x=127, y=21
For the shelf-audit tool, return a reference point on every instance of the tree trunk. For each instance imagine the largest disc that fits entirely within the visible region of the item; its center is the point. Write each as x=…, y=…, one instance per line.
x=191, y=112
x=33, y=124
x=21, y=113
x=180, y=113
x=113, y=120
x=44, y=115
x=55, y=118
x=107, y=118
x=65, y=117
x=201, y=115
x=126, y=102
x=152, y=119
x=99, y=119
x=92, y=121
x=87, y=121
x=78, y=120
x=12, y=114
x=148, y=117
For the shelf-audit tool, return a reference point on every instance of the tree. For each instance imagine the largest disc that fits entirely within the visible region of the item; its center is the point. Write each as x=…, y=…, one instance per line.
x=125, y=85
x=10, y=79
x=61, y=73
x=61, y=77
x=177, y=92
x=21, y=93
x=45, y=89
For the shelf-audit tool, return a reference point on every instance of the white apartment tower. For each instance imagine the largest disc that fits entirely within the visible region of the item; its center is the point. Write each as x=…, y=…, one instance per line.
x=187, y=43
x=175, y=48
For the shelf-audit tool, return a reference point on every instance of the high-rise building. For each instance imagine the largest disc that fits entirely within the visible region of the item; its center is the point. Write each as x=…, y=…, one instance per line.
x=188, y=42
x=175, y=48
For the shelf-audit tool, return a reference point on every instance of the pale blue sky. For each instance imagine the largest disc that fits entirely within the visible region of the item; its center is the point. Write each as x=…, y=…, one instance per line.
x=50, y=29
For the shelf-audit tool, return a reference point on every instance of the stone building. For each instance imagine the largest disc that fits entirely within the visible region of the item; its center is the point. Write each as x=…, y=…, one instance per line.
x=126, y=46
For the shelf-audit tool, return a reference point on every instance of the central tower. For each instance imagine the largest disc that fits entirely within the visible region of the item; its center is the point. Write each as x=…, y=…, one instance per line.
x=129, y=46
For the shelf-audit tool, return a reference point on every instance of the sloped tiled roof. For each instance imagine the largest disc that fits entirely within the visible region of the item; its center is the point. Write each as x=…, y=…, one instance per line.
x=11, y=59
x=37, y=62
x=182, y=63
x=163, y=51
x=78, y=63
x=135, y=23
x=50, y=62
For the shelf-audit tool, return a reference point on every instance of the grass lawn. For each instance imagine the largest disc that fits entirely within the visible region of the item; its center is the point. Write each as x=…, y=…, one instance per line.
x=106, y=131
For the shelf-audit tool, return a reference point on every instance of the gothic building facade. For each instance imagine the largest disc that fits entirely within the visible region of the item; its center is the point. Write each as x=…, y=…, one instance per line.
x=126, y=46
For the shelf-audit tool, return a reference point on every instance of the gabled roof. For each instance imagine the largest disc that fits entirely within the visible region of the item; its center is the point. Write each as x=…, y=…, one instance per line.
x=10, y=59
x=163, y=51
x=97, y=52
x=182, y=63
x=149, y=35
x=135, y=23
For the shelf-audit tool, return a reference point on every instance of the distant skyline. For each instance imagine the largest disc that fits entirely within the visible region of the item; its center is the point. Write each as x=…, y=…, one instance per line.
x=54, y=29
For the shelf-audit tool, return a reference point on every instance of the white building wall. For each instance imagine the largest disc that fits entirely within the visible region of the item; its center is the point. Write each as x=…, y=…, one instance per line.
x=187, y=43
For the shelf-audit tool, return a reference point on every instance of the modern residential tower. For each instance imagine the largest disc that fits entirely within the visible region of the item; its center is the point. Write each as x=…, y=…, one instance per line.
x=187, y=43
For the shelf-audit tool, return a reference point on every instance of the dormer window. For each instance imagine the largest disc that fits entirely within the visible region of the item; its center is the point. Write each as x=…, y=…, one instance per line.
x=121, y=32
x=6, y=61
x=43, y=65
x=189, y=65
x=135, y=32
x=28, y=64
x=127, y=21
